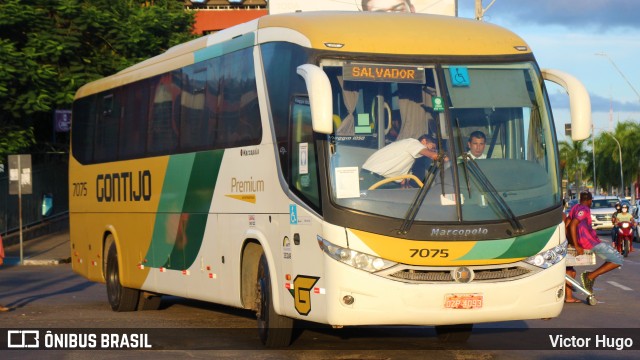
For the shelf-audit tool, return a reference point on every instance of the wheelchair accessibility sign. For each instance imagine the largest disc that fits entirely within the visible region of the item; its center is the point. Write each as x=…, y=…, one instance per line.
x=459, y=76
x=293, y=214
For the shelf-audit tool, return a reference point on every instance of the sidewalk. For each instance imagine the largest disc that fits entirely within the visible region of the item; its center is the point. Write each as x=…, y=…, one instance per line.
x=50, y=249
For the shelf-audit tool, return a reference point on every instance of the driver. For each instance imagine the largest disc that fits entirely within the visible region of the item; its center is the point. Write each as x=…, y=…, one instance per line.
x=624, y=215
x=614, y=231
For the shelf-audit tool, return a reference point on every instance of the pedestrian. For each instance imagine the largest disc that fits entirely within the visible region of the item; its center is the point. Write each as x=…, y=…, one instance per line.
x=2, y=308
x=568, y=292
x=584, y=237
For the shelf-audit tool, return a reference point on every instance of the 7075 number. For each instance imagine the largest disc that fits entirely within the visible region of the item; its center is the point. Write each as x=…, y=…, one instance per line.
x=425, y=253
x=79, y=189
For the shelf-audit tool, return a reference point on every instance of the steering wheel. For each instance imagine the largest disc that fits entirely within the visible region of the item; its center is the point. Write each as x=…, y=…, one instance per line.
x=394, y=178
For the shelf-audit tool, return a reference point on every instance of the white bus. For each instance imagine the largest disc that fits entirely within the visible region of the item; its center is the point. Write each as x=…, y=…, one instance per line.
x=230, y=169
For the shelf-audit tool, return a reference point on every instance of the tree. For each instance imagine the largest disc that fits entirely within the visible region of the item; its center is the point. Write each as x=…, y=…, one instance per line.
x=574, y=158
x=49, y=48
x=608, y=155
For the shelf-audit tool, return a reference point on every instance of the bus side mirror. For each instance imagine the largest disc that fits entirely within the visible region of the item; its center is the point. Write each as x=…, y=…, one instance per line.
x=579, y=102
x=319, y=89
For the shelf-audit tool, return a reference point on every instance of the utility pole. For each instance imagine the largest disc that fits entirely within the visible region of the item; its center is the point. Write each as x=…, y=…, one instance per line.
x=599, y=54
x=480, y=11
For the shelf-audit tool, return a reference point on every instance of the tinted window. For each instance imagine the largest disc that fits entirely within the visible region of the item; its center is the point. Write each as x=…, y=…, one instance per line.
x=133, y=134
x=107, y=127
x=209, y=105
x=83, y=129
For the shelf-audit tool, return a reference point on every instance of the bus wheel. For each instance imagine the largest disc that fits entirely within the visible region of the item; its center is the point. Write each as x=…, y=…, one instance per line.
x=275, y=330
x=120, y=297
x=454, y=333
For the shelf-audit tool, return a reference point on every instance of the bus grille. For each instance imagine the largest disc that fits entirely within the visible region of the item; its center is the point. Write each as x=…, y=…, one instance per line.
x=445, y=275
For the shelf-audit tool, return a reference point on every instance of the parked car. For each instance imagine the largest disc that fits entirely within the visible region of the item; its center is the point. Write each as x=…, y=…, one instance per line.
x=602, y=208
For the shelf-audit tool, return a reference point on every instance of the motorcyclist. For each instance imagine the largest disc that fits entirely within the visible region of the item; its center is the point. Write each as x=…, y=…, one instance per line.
x=614, y=231
x=624, y=215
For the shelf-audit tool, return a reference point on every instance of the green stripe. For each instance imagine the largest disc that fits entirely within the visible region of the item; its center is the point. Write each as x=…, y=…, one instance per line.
x=518, y=247
x=184, y=209
x=241, y=42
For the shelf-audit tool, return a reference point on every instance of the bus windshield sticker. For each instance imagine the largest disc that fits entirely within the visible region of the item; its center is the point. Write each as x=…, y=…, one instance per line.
x=384, y=73
x=347, y=182
x=438, y=103
x=303, y=152
x=459, y=76
x=363, y=126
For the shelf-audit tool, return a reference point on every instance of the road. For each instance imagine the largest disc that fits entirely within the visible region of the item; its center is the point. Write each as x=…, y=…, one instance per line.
x=54, y=298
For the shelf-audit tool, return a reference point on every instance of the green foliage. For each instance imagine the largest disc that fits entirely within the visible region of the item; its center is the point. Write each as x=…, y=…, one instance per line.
x=14, y=140
x=574, y=160
x=49, y=48
x=608, y=155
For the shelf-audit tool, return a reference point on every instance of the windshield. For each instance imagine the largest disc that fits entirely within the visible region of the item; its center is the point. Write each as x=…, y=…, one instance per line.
x=604, y=203
x=487, y=125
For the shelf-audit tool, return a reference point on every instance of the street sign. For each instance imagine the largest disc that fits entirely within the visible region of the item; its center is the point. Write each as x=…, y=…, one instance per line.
x=20, y=175
x=62, y=120
x=567, y=130
x=20, y=184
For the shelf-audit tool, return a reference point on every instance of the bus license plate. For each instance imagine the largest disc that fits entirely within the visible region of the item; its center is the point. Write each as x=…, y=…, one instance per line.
x=463, y=301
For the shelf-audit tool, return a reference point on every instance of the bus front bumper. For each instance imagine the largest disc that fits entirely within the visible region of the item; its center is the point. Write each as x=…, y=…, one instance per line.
x=355, y=297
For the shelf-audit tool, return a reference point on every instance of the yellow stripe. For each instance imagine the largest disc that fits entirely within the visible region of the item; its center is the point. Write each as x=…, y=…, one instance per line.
x=423, y=253
x=250, y=198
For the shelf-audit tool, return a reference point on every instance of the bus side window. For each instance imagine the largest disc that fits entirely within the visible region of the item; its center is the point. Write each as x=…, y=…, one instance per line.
x=164, y=114
x=107, y=127
x=304, y=173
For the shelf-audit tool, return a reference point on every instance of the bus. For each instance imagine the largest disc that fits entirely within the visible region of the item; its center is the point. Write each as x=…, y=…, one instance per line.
x=230, y=170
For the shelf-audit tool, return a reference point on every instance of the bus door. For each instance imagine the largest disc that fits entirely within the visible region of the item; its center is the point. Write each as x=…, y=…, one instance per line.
x=300, y=246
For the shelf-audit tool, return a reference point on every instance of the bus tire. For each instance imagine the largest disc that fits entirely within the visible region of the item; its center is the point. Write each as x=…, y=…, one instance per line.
x=274, y=330
x=120, y=298
x=454, y=333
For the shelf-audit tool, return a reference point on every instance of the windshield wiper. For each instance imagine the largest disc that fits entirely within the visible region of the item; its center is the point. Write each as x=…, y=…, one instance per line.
x=487, y=186
x=470, y=165
x=436, y=166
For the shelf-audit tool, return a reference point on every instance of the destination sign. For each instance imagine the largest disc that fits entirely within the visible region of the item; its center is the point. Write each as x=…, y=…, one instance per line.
x=384, y=73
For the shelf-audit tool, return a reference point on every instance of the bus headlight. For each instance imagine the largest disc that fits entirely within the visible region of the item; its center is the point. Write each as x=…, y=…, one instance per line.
x=354, y=258
x=549, y=257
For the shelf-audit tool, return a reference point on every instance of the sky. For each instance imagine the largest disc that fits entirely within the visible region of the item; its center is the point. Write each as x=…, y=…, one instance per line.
x=565, y=35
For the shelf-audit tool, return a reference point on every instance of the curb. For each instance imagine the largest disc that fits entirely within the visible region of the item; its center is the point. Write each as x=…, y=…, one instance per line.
x=13, y=261
x=36, y=262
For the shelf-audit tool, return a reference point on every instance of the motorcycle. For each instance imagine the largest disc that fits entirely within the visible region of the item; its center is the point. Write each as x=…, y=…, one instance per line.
x=625, y=237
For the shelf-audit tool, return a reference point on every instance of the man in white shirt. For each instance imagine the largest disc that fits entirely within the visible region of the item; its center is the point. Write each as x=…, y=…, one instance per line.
x=476, y=144
x=397, y=158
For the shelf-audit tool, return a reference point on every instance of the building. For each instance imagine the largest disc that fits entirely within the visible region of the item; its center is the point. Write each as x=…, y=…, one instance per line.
x=215, y=15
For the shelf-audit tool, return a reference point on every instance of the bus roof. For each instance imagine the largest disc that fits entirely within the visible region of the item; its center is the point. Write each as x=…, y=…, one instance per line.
x=355, y=32
x=399, y=33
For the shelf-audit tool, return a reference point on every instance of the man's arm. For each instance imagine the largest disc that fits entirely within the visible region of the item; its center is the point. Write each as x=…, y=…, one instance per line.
x=431, y=154
x=573, y=229
x=428, y=153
